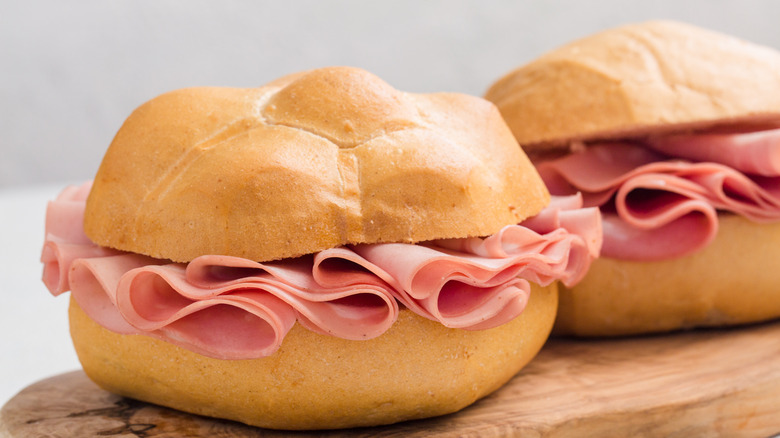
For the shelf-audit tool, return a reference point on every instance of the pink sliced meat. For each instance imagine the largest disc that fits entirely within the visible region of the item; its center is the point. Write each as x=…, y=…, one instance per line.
x=94, y=282
x=361, y=308
x=233, y=308
x=451, y=288
x=58, y=256
x=750, y=152
x=65, y=239
x=444, y=278
x=657, y=208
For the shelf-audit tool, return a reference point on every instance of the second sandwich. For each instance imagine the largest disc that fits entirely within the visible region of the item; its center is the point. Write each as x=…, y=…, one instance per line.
x=673, y=131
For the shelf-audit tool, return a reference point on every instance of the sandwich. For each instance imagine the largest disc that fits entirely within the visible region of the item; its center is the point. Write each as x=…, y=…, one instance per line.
x=321, y=252
x=673, y=131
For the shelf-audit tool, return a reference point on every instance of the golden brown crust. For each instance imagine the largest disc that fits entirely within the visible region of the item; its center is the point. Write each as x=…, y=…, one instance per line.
x=308, y=162
x=417, y=369
x=734, y=280
x=635, y=79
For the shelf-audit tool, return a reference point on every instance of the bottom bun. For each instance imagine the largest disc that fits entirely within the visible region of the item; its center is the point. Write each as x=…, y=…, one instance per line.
x=734, y=280
x=417, y=369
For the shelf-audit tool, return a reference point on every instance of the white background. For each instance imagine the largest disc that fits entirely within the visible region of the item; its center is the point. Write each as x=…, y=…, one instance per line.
x=70, y=72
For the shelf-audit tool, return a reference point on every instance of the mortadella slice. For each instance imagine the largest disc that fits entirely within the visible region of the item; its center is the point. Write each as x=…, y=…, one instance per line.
x=654, y=207
x=234, y=308
x=750, y=152
x=471, y=283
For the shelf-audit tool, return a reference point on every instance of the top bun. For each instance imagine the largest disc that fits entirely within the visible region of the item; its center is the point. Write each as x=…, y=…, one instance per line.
x=308, y=162
x=633, y=79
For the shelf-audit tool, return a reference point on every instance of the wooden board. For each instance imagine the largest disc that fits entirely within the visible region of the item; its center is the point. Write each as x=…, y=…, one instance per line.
x=701, y=383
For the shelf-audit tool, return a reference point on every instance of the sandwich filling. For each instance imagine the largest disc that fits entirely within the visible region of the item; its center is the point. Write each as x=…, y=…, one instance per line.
x=660, y=197
x=234, y=308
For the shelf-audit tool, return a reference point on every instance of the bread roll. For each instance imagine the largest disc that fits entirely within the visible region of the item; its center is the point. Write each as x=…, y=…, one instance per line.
x=317, y=160
x=638, y=79
x=734, y=280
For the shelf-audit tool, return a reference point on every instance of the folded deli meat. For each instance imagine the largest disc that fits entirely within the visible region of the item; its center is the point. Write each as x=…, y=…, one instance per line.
x=233, y=308
x=660, y=197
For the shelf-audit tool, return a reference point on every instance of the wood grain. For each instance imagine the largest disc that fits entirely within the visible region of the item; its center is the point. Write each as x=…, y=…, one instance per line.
x=700, y=383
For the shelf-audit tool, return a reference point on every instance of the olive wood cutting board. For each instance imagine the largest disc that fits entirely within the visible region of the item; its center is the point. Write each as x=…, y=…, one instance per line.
x=697, y=383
